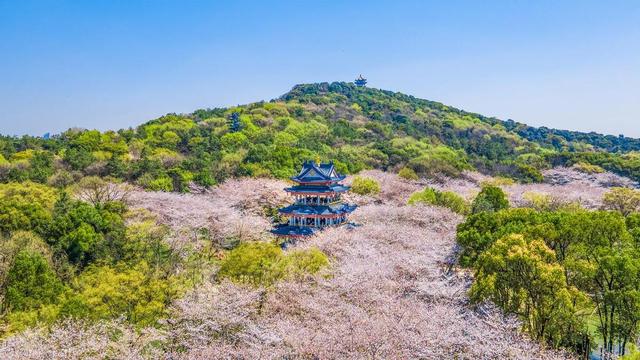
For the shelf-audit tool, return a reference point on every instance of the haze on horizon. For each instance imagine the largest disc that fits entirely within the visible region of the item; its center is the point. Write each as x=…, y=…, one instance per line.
x=109, y=65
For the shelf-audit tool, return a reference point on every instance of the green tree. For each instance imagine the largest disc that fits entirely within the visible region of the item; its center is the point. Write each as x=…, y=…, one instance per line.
x=623, y=200
x=107, y=292
x=78, y=158
x=25, y=206
x=41, y=166
x=605, y=265
x=85, y=233
x=522, y=277
x=31, y=283
x=490, y=199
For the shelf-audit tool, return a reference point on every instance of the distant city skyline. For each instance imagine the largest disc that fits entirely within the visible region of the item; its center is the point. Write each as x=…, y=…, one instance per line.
x=108, y=65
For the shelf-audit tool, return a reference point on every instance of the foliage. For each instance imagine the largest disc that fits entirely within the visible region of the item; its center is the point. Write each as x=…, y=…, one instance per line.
x=490, y=199
x=365, y=186
x=592, y=263
x=107, y=292
x=588, y=168
x=623, y=200
x=25, y=206
x=262, y=263
x=408, y=174
x=522, y=276
x=99, y=192
x=446, y=199
x=30, y=283
x=498, y=181
x=160, y=184
x=84, y=232
x=70, y=249
x=438, y=161
x=548, y=202
x=358, y=127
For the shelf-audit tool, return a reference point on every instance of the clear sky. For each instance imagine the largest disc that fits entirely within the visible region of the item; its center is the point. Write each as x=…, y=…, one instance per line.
x=112, y=64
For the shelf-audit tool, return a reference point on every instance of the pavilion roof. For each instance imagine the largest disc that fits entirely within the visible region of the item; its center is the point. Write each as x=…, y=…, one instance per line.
x=318, y=188
x=317, y=173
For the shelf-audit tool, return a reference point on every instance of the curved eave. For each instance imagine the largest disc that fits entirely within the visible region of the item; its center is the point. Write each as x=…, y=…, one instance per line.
x=345, y=210
x=318, y=191
x=315, y=193
x=316, y=216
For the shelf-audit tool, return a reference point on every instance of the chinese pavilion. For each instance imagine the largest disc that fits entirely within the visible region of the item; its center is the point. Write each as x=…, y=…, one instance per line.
x=360, y=81
x=317, y=201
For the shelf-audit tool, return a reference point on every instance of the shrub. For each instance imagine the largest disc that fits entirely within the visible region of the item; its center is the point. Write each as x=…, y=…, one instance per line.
x=587, y=168
x=490, y=199
x=528, y=174
x=408, y=174
x=180, y=179
x=365, y=186
x=301, y=262
x=547, y=202
x=448, y=199
x=623, y=200
x=254, y=263
x=426, y=196
x=204, y=178
x=262, y=263
x=498, y=181
x=454, y=202
x=161, y=184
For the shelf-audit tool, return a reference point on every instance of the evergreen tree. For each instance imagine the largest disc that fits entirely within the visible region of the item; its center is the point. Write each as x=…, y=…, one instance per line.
x=31, y=283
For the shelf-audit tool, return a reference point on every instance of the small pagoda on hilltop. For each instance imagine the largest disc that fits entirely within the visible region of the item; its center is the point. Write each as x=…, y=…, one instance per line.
x=360, y=81
x=318, y=204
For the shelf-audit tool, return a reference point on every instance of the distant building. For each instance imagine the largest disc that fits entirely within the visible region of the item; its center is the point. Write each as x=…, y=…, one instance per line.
x=46, y=136
x=234, y=122
x=360, y=81
x=318, y=201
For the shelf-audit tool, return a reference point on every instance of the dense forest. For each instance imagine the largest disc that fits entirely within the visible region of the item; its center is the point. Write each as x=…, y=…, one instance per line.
x=73, y=247
x=357, y=127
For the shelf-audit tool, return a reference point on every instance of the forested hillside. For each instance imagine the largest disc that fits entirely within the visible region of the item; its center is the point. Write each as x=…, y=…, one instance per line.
x=358, y=128
x=153, y=242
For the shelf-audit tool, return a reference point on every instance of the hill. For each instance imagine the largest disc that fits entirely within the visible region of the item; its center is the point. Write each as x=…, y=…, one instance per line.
x=360, y=128
x=446, y=261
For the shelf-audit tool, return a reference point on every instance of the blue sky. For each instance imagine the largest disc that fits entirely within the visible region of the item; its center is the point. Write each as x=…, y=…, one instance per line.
x=114, y=64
